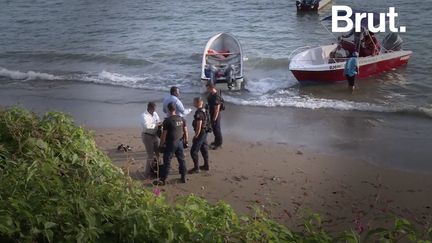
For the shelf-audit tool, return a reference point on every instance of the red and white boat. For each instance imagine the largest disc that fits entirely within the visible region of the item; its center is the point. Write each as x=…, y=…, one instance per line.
x=315, y=65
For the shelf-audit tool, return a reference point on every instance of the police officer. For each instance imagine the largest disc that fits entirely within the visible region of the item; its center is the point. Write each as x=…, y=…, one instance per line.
x=173, y=140
x=214, y=101
x=199, y=142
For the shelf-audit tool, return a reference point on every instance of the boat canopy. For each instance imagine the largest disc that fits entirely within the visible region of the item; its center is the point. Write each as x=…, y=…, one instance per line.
x=364, y=22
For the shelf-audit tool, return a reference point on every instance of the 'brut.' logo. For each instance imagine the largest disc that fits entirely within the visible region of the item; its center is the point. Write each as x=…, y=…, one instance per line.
x=342, y=14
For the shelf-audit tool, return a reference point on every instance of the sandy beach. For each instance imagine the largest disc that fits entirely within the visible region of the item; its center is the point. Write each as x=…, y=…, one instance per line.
x=350, y=167
x=289, y=182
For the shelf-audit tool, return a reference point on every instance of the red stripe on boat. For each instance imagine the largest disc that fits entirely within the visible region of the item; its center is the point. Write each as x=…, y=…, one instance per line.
x=330, y=76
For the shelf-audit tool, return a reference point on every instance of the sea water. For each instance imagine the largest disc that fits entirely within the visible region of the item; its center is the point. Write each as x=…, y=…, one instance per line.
x=151, y=45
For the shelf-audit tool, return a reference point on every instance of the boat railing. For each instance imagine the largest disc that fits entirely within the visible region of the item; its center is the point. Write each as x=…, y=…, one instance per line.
x=298, y=50
x=222, y=53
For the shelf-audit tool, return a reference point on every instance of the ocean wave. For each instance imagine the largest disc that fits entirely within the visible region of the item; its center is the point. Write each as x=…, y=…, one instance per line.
x=266, y=92
x=426, y=110
x=158, y=82
x=266, y=85
x=80, y=57
x=308, y=102
x=29, y=75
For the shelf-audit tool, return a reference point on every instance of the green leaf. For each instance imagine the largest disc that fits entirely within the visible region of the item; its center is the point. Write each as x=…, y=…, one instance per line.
x=41, y=144
x=49, y=235
x=49, y=225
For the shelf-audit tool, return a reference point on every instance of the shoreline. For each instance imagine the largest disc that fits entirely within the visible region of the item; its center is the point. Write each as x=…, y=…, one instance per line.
x=370, y=136
x=288, y=181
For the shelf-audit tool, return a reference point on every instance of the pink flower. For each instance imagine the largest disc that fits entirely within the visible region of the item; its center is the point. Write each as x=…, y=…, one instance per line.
x=359, y=226
x=156, y=191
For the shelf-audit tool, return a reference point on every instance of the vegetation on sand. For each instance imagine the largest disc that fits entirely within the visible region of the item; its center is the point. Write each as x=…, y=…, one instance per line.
x=56, y=186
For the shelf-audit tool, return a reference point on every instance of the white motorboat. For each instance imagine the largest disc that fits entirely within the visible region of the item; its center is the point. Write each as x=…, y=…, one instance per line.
x=222, y=61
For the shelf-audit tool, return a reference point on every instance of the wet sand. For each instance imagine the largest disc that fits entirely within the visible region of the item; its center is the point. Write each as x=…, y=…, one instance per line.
x=288, y=182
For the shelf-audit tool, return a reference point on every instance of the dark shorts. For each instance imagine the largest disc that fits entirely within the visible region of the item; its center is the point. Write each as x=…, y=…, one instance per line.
x=350, y=80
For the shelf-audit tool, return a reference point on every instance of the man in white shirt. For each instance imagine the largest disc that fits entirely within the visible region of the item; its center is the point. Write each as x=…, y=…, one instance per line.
x=150, y=123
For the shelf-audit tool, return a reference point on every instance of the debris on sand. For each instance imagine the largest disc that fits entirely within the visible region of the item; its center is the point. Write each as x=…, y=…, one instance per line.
x=240, y=178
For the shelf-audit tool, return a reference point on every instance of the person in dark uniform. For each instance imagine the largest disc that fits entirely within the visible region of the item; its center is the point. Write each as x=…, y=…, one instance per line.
x=174, y=138
x=214, y=101
x=199, y=141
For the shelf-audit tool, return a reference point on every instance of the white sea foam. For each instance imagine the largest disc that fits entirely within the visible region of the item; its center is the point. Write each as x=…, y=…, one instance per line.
x=265, y=92
x=426, y=110
x=29, y=75
x=118, y=78
x=145, y=81
x=265, y=85
x=309, y=103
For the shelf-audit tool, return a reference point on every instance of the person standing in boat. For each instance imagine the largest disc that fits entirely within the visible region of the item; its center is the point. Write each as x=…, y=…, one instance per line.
x=339, y=54
x=174, y=98
x=215, y=105
x=210, y=72
x=358, y=38
x=372, y=46
x=351, y=70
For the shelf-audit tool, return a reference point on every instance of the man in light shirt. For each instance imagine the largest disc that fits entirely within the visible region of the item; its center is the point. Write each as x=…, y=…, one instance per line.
x=150, y=123
x=174, y=98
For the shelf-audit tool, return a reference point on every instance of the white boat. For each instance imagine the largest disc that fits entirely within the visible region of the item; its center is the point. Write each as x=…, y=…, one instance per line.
x=222, y=61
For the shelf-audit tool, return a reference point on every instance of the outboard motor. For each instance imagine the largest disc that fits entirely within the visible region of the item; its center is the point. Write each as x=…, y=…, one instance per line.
x=392, y=42
x=307, y=4
x=299, y=4
x=230, y=77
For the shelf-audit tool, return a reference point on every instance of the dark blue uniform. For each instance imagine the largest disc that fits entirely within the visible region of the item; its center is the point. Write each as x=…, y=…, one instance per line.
x=200, y=143
x=174, y=145
x=214, y=100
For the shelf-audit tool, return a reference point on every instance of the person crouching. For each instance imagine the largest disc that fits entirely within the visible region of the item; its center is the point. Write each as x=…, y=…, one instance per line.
x=199, y=141
x=173, y=139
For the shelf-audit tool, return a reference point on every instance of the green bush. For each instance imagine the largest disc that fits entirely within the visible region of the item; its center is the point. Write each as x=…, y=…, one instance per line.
x=56, y=186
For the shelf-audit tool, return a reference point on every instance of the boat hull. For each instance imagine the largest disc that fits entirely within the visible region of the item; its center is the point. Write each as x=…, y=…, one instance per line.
x=222, y=84
x=335, y=72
